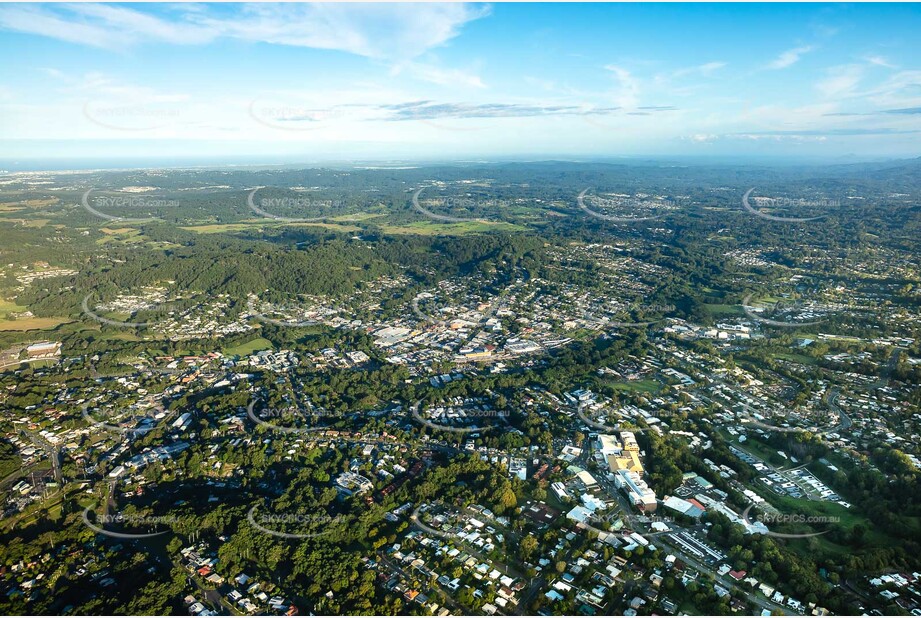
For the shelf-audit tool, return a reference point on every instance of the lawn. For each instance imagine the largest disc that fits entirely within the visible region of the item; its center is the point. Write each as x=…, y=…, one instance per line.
x=725, y=310
x=796, y=358
x=32, y=323
x=431, y=228
x=637, y=386
x=8, y=306
x=245, y=349
x=219, y=228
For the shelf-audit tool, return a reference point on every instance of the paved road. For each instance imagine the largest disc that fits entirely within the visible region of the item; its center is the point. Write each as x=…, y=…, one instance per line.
x=845, y=421
x=25, y=361
x=726, y=582
x=886, y=375
x=54, y=454
x=445, y=598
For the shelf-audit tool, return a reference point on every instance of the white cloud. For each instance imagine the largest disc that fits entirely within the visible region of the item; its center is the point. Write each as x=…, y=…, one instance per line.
x=790, y=57
x=390, y=32
x=628, y=93
x=840, y=81
x=703, y=69
x=439, y=75
x=879, y=61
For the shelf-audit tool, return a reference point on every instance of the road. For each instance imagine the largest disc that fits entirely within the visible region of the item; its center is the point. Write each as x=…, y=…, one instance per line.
x=726, y=582
x=883, y=381
x=844, y=420
x=25, y=361
x=54, y=454
x=445, y=598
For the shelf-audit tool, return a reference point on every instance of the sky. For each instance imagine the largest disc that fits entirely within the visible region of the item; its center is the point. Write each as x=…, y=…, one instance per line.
x=299, y=82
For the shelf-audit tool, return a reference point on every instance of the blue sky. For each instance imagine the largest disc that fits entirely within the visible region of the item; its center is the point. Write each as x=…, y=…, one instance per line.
x=402, y=81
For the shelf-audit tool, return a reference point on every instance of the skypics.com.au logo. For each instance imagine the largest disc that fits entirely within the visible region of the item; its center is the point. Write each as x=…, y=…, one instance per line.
x=452, y=202
x=291, y=419
x=293, y=315
x=134, y=114
x=642, y=309
x=102, y=205
x=791, y=309
x=603, y=427
x=471, y=413
x=104, y=523
x=141, y=429
x=789, y=519
x=786, y=203
x=621, y=203
x=133, y=306
x=276, y=524
x=268, y=206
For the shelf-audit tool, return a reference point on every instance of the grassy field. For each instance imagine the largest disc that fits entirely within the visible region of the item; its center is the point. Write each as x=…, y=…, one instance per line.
x=431, y=228
x=796, y=358
x=122, y=235
x=637, y=386
x=32, y=323
x=30, y=222
x=9, y=306
x=725, y=310
x=759, y=450
x=219, y=228
x=837, y=516
x=249, y=347
x=23, y=204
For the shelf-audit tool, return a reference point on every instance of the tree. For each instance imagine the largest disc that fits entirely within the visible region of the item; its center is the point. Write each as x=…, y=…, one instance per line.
x=528, y=545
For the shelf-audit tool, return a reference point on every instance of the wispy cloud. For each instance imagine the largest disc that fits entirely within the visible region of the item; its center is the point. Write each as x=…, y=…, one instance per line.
x=439, y=75
x=790, y=57
x=628, y=91
x=879, y=61
x=829, y=132
x=904, y=111
x=430, y=110
x=391, y=32
x=840, y=81
x=705, y=70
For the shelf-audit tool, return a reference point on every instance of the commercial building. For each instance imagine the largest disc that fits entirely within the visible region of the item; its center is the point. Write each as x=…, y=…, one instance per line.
x=636, y=489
